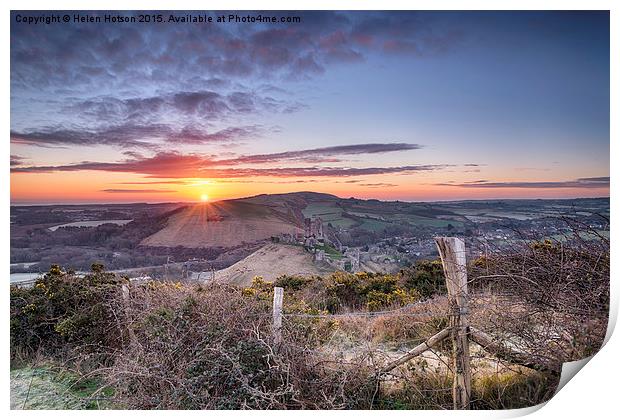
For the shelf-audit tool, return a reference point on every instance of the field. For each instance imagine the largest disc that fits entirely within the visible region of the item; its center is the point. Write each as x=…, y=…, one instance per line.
x=429, y=221
x=524, y=210
x=329, y=251
x=376, y=215
x=330, y=213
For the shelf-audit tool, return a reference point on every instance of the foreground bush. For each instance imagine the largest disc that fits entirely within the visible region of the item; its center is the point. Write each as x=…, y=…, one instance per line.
x=179, y=346
x=554, y=295
x=341, y=291
x=213, y=349
x=64, y=312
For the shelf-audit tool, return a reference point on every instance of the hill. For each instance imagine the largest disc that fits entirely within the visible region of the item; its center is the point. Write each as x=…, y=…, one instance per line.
x=355, y=222
x=270, y=262
x=222, y=224
x=231, y=223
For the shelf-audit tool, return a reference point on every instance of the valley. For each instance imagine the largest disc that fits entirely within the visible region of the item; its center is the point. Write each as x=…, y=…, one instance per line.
x=254, y=236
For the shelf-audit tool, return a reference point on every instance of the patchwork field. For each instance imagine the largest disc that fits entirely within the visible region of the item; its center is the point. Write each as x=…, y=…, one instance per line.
x=329, y=212
x=254, y=219
x=375, y=216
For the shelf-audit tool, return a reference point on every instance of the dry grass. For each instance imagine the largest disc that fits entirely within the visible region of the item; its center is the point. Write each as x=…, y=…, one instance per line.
x=197, y=349
x=213, y=349
x=270, y=262
x=221, y=224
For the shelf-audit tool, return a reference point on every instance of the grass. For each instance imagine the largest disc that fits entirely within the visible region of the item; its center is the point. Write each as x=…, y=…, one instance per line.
x=321, y=209
x=340, y=221
x=329, y=213
x=374, y=225
x=371, y=217
x=330, y=251
x=501, y=391
x=426, y=221
x=50, y=388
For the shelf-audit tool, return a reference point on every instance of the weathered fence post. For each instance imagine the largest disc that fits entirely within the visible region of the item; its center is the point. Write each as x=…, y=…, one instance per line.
x=278, y=295
x=452, y=252
x=419, y=349
x=126, y=303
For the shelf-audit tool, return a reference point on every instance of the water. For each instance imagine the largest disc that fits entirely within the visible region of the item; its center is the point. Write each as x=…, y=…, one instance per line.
x=91, y=223
x=25, y=264
x=17, y=277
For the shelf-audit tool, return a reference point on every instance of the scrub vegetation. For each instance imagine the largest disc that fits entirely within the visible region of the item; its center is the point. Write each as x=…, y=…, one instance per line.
x=211, y=346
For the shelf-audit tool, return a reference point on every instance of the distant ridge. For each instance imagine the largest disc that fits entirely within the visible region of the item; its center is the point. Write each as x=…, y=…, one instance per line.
x=231, y=223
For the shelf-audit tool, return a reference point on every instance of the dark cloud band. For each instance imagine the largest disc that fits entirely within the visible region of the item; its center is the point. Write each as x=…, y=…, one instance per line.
x=596, y=182
x=174, y=165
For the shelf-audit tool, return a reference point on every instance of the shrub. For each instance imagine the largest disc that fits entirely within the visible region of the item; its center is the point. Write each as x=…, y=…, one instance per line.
x=172, y=345
x=213, y=349
x=63, y=310
x=292, y=282
x=370, y=291
x=426, y=277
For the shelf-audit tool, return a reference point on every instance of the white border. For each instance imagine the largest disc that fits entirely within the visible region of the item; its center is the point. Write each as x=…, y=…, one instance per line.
x=591, y=395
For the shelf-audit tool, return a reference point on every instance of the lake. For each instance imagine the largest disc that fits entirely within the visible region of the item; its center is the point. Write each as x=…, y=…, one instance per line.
x=16, y=277
x=91, y=223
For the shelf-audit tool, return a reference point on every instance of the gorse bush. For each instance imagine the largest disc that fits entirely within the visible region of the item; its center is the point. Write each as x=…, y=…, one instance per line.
x=341, y=291
x=426, y=277
x=364, y=290
x=292, y=282
x=64, y=310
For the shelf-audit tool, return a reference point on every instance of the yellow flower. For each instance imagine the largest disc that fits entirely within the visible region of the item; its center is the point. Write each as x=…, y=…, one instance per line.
x=29, y=308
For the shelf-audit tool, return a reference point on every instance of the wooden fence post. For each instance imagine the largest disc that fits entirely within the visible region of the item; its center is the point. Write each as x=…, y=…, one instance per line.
x=126, y=303
x=452, y=252
x=419, y=349
x=278, y=295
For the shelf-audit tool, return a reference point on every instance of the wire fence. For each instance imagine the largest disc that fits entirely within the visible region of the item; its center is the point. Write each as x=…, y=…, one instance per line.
x=400, y=311
x=510, y=322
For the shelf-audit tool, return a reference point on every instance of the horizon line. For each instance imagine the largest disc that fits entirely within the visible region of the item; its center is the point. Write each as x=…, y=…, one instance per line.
x=17, y=204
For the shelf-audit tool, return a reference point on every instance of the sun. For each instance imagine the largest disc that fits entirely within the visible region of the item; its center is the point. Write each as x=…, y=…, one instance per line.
x=204, y=198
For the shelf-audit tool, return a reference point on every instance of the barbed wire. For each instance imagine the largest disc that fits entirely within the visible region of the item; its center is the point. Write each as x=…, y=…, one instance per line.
x=367, y=314
x=473, y=306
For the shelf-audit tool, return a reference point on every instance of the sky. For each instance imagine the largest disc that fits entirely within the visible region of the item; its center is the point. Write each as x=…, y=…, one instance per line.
x=413, y=106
